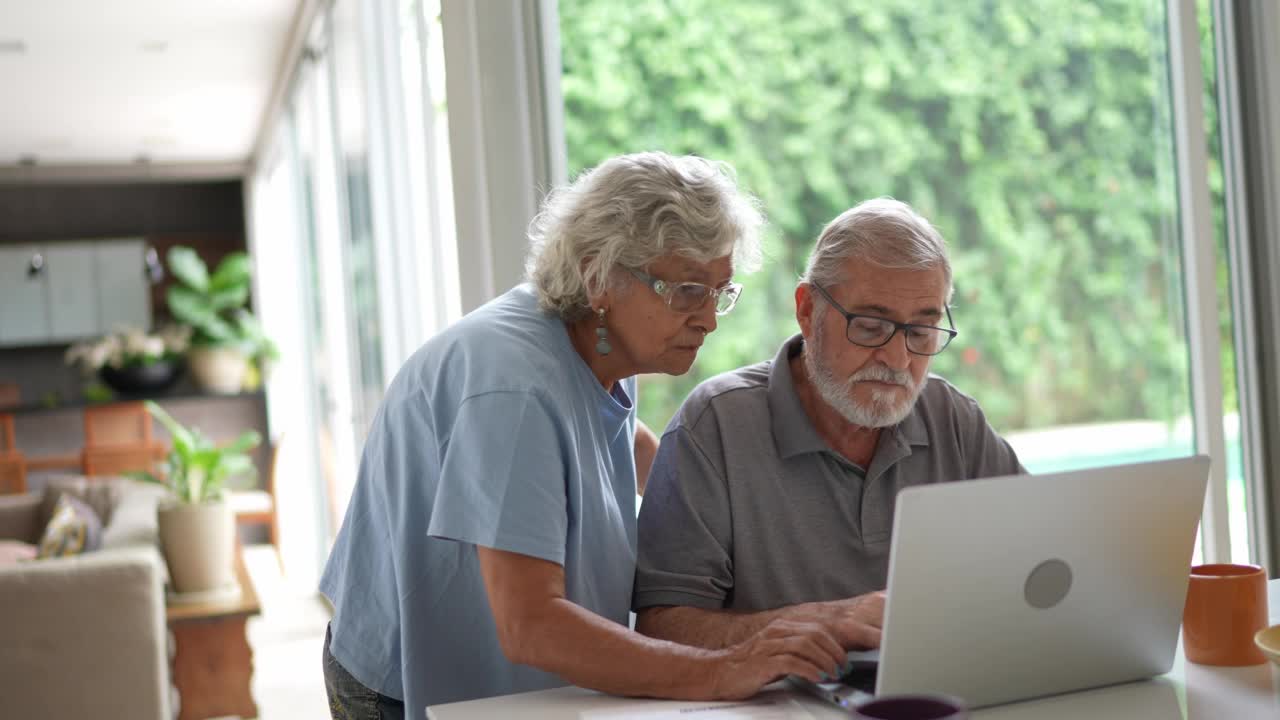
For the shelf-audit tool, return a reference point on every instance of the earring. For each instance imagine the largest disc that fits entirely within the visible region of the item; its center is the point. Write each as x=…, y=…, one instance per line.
x=602, y=335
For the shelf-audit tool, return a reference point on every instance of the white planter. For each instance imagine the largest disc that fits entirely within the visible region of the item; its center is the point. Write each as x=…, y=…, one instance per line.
x=198, y=541
x=218, y=369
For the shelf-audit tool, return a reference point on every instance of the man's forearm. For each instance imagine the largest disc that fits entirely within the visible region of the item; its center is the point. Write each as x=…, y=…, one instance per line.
x=715, y=629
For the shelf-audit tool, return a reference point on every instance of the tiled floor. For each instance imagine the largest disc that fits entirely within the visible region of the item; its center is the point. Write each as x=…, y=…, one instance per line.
x=287, y=639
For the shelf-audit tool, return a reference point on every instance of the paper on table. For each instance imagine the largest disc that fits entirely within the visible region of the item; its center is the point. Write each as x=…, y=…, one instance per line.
x=777, y=708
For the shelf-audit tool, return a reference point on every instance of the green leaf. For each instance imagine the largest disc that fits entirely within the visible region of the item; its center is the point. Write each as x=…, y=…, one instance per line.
x=236, y=467
x=187, y=305
x=260, y=345
x=248, y=440
x=144, y=476
x=183, y=441
x=187, y=266
x=234, y=271
x=196, y=310
x=231, y=297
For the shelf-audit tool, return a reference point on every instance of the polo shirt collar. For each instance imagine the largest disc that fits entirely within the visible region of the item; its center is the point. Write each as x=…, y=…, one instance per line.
x=793, y=431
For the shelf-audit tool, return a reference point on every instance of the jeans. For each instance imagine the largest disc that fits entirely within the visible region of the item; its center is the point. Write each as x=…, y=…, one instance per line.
x=351, y=700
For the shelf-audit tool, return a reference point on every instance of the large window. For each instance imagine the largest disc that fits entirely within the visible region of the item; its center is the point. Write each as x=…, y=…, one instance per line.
x=1038, y=136
x=355, y=201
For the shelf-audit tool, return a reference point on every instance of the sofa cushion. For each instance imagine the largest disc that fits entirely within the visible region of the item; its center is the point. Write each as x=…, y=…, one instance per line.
x=133, y=519
x=74, y=528
x=15, y=551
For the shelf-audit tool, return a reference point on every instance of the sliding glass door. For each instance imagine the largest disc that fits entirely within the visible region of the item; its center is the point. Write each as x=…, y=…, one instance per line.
x=1042, y=138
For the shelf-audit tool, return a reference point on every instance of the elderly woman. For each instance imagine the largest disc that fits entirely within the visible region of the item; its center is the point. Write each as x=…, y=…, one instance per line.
x=490, y=543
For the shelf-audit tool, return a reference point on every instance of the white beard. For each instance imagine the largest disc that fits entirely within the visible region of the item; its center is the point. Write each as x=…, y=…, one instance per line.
x=885, y=408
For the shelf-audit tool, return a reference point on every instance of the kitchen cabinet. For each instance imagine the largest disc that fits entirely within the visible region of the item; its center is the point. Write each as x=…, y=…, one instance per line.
x=24, y=315
x=124, y=297
x=68, y=291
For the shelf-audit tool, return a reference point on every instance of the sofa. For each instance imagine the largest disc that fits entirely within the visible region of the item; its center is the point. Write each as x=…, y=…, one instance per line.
x=85, y=635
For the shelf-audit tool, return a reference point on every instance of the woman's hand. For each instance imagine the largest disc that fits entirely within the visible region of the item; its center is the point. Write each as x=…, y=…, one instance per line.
x=783, y=647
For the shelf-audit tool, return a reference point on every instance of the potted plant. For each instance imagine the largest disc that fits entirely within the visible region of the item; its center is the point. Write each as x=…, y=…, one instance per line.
x=131, y=361
x=226, y=337
x=197, y=527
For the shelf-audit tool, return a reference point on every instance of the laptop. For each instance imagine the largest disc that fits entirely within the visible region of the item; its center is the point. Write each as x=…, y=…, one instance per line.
x=1017, y=587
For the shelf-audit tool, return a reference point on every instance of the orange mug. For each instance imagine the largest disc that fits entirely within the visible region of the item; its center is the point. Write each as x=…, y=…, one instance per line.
x=1226, y=605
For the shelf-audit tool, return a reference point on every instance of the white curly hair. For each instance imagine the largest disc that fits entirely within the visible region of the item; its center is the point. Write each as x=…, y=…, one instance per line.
x=630, y=211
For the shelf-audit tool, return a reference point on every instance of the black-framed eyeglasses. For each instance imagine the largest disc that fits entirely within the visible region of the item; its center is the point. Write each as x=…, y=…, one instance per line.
x=690, y=297
x=871, y=331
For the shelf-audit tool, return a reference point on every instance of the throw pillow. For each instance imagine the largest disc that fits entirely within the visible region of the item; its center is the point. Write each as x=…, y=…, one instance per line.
x=100, y=493
x=74, y=528
x=15, y=551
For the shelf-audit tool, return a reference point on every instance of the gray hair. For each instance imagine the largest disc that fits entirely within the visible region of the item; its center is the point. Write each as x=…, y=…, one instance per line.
x=630, y=211
x=884, y=232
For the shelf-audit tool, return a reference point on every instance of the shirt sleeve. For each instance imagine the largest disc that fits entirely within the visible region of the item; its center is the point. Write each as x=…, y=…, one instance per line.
x=685, y=554
x=987, y=454
x=502, y=477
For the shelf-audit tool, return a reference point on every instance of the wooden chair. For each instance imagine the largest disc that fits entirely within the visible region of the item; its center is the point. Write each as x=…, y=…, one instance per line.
x=13, y=465
x=126, y=423
x=118, y=439
x=118, y=460
x=10, y=395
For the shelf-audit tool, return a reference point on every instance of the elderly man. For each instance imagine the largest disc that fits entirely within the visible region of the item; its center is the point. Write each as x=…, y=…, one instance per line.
x=773, y=490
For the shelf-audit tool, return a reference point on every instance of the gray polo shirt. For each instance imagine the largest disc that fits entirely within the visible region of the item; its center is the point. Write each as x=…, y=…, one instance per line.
x=747, y=508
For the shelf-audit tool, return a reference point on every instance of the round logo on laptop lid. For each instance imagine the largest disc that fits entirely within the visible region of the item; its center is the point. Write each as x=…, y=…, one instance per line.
x=1047, y=584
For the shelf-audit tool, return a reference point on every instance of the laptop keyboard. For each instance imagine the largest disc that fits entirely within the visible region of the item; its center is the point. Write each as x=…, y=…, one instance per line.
x=860, y=677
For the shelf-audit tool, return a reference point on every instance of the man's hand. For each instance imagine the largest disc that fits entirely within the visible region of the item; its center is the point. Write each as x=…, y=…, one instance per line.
x=783, y=647
x=856, y=622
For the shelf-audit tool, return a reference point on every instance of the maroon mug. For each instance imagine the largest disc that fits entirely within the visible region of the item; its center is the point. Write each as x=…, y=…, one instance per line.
x=912, y=707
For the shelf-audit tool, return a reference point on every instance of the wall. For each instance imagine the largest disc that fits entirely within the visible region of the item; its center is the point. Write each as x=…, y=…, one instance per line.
x=39, y=212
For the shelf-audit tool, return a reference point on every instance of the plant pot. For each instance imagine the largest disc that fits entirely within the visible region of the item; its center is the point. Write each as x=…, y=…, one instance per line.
x=218, y=369
x=198, y=541
x=142, y=379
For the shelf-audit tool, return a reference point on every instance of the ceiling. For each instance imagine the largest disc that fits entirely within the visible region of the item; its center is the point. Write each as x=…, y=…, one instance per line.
x=88, y=82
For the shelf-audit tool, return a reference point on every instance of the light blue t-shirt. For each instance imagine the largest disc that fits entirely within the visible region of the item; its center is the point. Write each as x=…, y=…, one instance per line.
x=495, y=433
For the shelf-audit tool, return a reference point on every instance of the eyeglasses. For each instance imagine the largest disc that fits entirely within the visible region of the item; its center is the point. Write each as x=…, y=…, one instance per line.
x=690, y=297
x=873, y=332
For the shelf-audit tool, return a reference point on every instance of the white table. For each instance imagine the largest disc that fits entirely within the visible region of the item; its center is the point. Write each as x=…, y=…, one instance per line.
x=1187, y=692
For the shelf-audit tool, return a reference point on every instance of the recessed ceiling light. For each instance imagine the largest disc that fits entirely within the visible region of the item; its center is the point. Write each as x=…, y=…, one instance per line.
x=154, y=46
x=12, y=47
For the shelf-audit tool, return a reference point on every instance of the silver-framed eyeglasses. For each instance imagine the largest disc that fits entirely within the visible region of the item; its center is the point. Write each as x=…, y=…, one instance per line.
x=871, y=331
x=690, y=297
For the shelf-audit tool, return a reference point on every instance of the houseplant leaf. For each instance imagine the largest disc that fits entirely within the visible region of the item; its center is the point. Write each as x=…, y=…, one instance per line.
x=236, y=467
x=183, y=440
x=187, y=266
x=145, y=476
x=234, y=271
x=188, y=305
x=195, y=309
x=248, y=440
x=228, y=297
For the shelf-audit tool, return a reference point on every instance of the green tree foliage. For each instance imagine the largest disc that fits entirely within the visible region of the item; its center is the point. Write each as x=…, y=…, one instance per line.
x=1036, y=134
